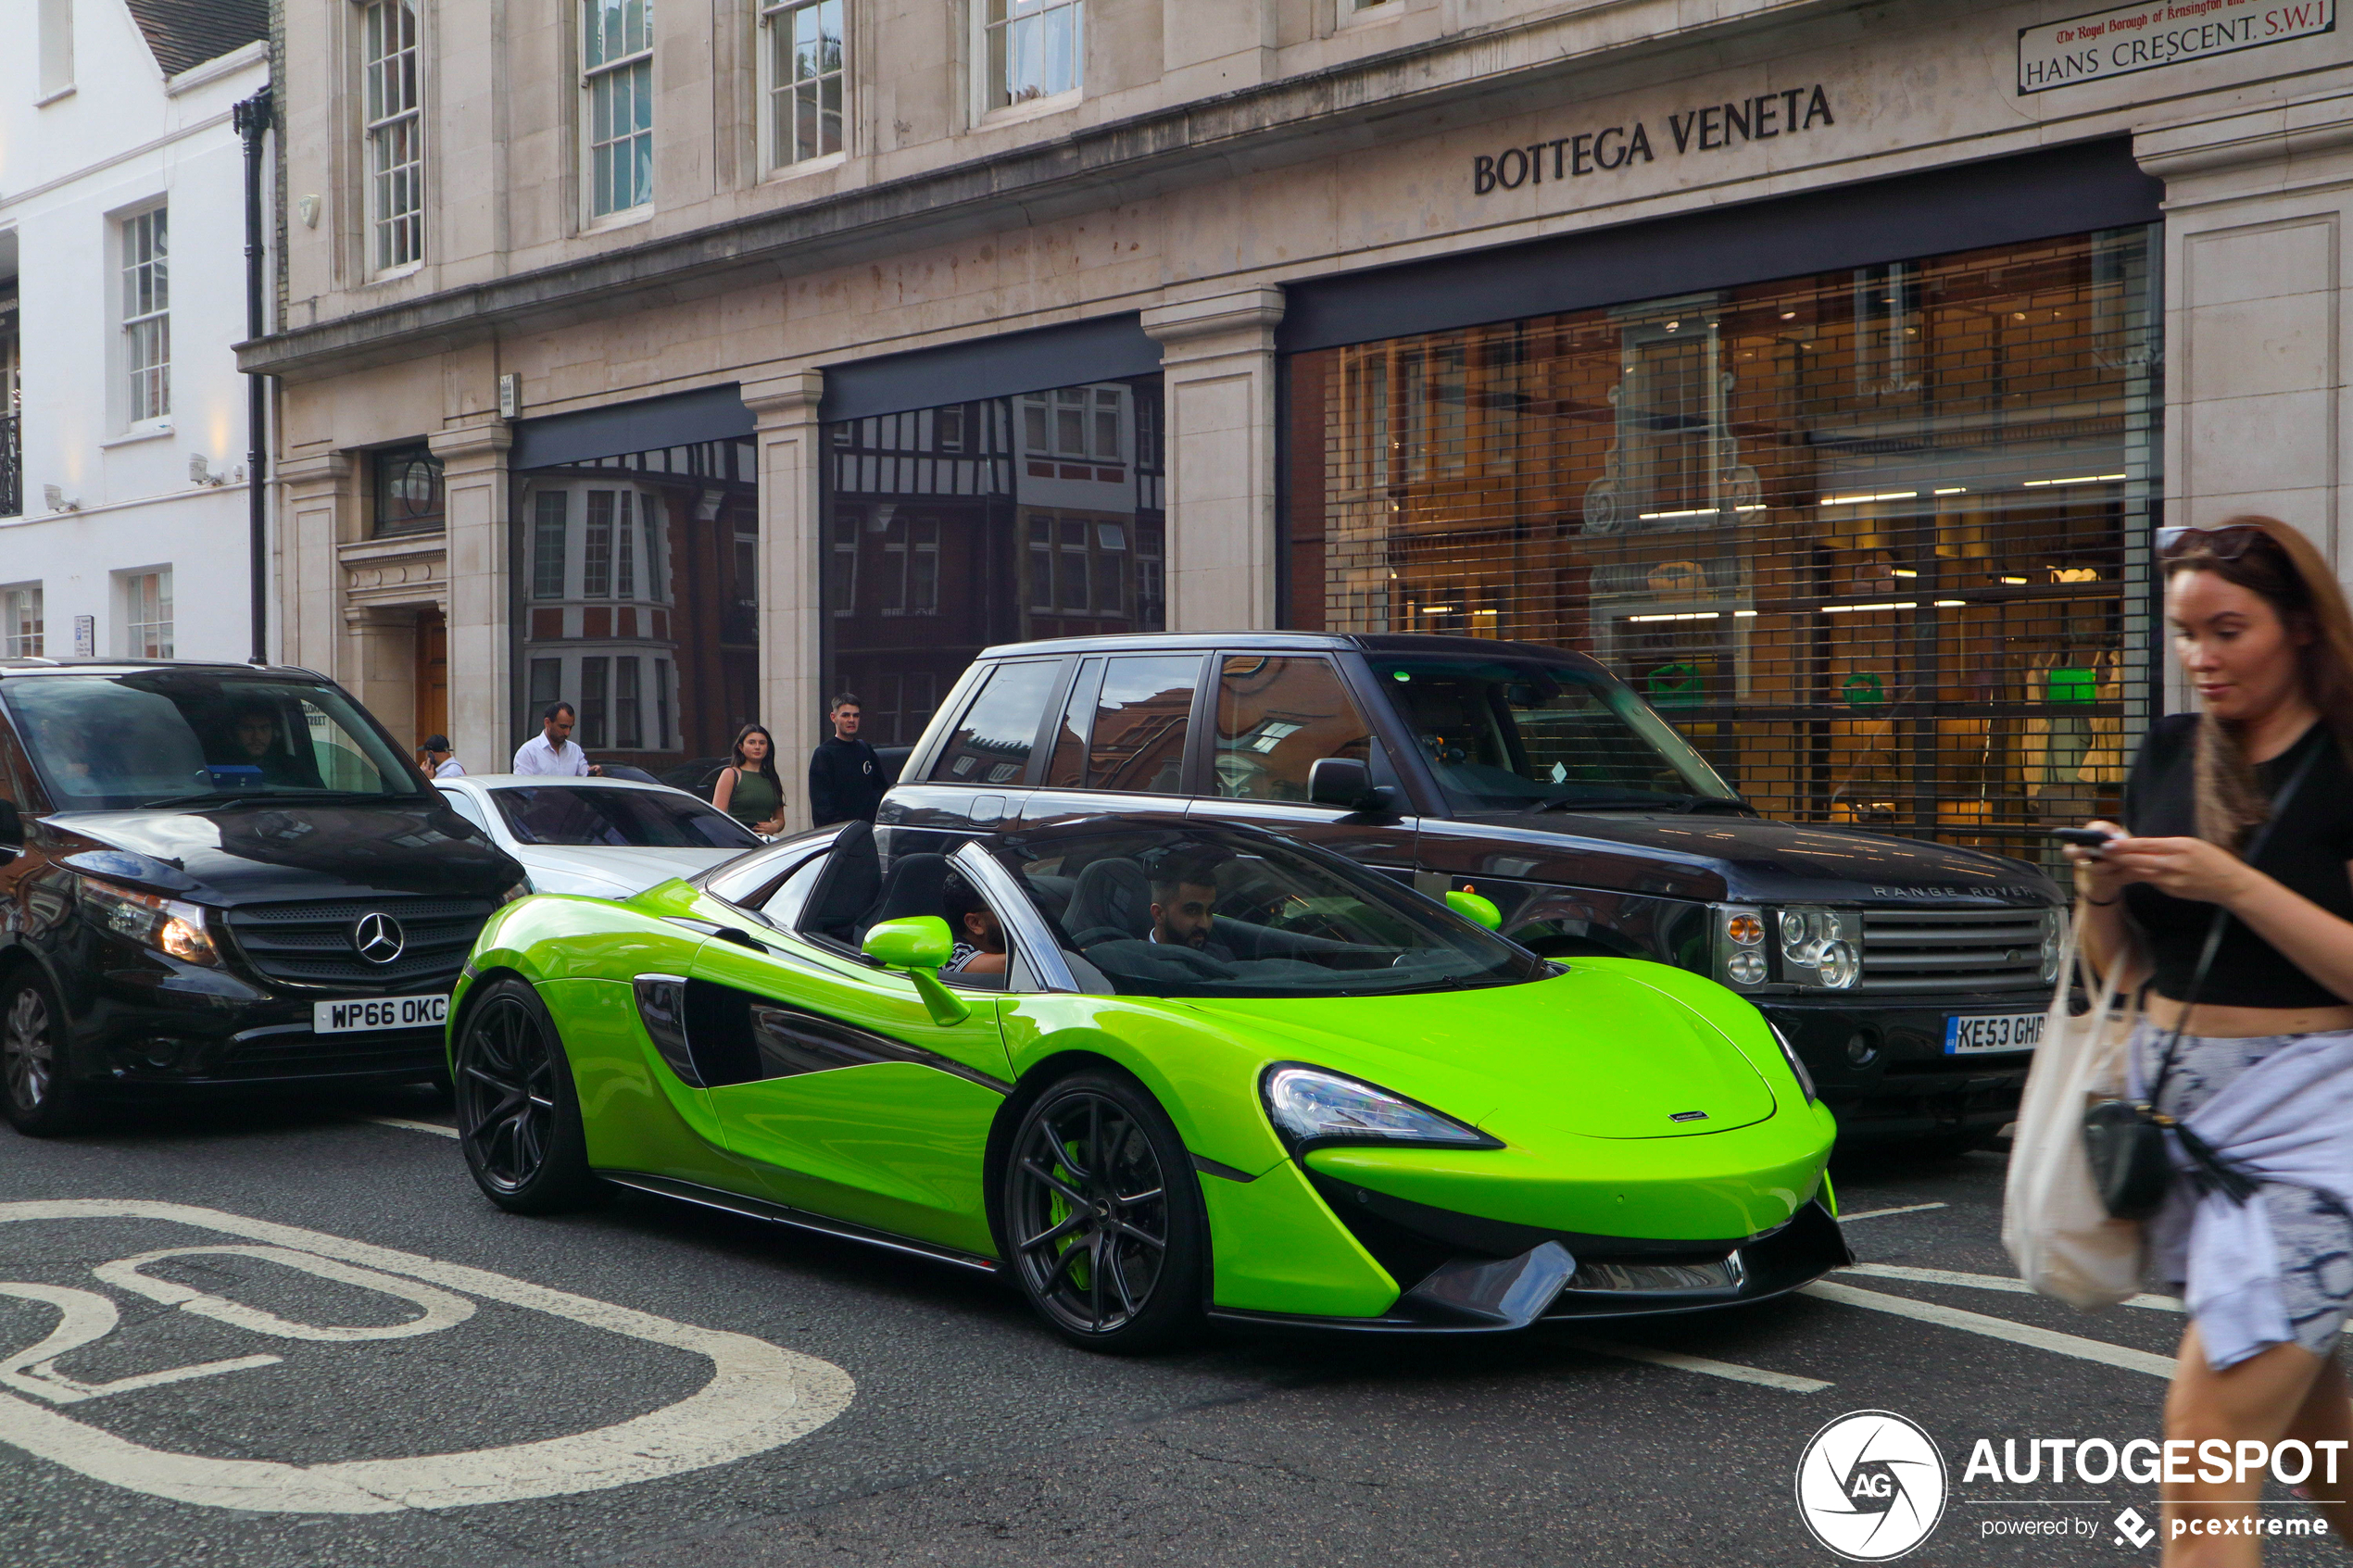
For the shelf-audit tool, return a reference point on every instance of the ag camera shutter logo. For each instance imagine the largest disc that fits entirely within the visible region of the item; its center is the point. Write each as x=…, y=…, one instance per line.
x=1871, y=1485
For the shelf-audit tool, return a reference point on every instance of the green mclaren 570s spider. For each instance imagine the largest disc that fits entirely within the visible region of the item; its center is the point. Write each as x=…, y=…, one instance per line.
x=1157, y=1071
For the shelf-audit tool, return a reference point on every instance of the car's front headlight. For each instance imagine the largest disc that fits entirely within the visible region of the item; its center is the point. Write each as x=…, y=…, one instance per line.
x=1819, y=948
x=1740, y=944
x=167, y=925
x=2053, y=935
x=1310, y=1105
x=520, y=890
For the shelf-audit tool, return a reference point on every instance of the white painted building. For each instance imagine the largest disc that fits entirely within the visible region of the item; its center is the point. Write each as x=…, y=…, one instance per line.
x=122, y=506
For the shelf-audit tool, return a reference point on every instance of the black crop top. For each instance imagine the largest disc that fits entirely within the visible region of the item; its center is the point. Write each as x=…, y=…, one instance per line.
x=2307, y=853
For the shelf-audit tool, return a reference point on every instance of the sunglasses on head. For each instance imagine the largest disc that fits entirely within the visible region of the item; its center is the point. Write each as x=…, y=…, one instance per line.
x=2227, y=543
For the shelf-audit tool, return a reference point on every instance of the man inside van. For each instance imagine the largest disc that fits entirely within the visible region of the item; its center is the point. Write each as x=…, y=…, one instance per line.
x=845, y=776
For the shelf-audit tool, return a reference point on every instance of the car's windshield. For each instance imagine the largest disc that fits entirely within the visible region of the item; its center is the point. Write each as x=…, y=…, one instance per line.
x=168, y=737
x=1505, y=735
x=1201, y=911
x=575, y=815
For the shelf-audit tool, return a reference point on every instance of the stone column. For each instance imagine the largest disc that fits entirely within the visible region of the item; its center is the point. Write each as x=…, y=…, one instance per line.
x=474, y=458
x=783, y=407
x=316, y=508
x=1217, y=359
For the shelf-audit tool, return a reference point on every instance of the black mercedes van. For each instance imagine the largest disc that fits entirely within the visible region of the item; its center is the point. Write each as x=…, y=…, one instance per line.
x=219, y=875
x=1910, y=977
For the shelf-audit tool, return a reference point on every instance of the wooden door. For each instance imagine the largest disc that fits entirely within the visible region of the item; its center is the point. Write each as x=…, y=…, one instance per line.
x=432, y=676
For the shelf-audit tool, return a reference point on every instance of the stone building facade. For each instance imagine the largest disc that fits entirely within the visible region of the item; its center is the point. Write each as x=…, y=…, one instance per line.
x=1821, y=367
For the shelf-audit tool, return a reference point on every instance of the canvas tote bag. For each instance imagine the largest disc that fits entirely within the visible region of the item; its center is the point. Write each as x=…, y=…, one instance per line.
x=2054, y=1225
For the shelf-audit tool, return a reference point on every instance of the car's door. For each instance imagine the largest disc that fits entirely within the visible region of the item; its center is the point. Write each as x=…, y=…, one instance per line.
x=1274, y=716
x=843, y=1092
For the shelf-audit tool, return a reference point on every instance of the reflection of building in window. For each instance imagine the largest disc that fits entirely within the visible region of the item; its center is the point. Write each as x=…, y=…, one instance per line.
x=22, y=621
x=407, y=491
x=1837, y=529
x=617, y=78
x=641, y=571
x=393, y=123
x=928, y=531
x=1029, y=49
x=804, y=61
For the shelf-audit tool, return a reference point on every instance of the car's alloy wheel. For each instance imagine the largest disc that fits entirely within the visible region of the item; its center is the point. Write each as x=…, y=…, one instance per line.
x=1103, y=1226
x=518, y=1117
x=39, y=1095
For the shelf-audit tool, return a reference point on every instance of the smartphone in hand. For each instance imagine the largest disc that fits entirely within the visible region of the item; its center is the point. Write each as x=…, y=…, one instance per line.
x=2094, y=839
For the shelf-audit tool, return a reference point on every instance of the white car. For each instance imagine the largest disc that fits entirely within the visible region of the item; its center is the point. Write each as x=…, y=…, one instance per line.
x=600, y=839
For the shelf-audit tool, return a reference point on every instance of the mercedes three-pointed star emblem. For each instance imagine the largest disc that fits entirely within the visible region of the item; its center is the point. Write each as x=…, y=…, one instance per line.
x=378, y=937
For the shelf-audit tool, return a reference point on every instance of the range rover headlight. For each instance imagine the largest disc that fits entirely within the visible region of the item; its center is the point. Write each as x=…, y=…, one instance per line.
x=1309, y=1106
x=1740, y=944
x=1820, y=947
x=2053, y=934
x=166, y=926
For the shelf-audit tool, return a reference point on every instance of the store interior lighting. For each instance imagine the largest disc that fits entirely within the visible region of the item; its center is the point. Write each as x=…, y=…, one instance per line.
x=1892, y=604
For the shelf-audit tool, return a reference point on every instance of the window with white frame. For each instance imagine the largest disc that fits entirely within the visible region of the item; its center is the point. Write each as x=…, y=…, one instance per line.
x=21, y=617
x=146, y=614
x=617, y=76
x=389, y=64
x=146, y=317
x=1029, y=49
x=805, y=80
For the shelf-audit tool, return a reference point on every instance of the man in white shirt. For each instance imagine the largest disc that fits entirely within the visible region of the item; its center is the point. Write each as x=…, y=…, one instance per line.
x=441, y=761
x=551, y=751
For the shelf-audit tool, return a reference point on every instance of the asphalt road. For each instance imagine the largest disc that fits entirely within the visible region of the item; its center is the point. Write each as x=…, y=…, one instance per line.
x=799, y=1400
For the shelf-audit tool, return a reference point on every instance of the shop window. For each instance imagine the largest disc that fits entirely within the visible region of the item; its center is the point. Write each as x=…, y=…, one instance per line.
x=630, y=571
x=1001, y=519
x=409, y=492
x=1874, y=540
x=1276, y=717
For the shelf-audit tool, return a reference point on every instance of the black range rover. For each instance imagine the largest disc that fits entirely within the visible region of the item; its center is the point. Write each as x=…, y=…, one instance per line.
x=218, y=875
x=1910, y=977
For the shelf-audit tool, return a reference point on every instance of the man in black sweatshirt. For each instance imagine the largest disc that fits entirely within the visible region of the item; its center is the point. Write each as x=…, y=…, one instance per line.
x=845, y=776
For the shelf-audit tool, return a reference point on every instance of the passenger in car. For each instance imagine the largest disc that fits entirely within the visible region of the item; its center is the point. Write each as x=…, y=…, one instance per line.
x=980, y=941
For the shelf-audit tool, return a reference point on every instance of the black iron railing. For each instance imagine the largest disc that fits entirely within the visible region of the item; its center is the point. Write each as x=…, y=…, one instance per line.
x=11, y=466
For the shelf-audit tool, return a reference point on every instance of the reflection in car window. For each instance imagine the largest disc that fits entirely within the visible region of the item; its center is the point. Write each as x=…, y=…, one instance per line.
x=1277, y=717
x=1504, y=735
x=1213, y=911
x=644, y=819
x=1137, y=741
x=125, y=741
x=993, y=743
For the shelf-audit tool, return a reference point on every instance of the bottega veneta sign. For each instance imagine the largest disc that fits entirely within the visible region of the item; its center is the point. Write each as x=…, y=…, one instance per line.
x=1708, y=129
x=2160, y=32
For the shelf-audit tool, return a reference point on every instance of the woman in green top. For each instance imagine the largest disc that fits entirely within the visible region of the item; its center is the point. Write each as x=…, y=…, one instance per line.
x=748, y=788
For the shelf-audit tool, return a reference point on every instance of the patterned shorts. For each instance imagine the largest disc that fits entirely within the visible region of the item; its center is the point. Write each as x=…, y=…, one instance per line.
x=2313, y=1231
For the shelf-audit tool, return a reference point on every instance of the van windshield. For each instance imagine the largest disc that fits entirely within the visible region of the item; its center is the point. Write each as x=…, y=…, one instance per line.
x=172, y=737
x=1509, y=734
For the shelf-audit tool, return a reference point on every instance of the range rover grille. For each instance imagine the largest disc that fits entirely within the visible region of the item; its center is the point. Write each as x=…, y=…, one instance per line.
x=1924, y=950
x=310, y=943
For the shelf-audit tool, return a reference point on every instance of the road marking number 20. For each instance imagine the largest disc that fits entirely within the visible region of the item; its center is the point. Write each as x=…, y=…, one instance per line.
x=759, y=1396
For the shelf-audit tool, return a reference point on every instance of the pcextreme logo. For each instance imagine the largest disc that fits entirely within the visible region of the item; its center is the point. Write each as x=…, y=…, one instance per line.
x=1870, y=1485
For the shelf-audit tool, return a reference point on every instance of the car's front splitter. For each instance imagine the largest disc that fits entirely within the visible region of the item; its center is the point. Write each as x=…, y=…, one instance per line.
x=1475, y=1294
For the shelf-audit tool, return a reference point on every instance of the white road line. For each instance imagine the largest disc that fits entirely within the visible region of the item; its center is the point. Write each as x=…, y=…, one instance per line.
x=1682, y=1362
x=1990, y=1282
x=1883, y=1213
x=1995, y=1328
x=412, y=1127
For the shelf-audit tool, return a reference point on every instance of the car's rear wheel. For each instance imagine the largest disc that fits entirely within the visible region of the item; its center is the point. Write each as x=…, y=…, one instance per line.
x=517, y=1115
x=1103, y=1226
x=36, y=1083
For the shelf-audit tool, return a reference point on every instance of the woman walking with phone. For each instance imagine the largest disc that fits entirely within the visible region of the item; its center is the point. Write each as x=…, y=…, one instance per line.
x=748, y=788
x=2247, y=1039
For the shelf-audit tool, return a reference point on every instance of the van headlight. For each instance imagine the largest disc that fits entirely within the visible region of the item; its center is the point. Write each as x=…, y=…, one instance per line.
x=1819, y=948
x=166, y=926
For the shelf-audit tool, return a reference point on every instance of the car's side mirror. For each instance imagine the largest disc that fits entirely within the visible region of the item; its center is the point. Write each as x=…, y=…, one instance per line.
x=1478, y=910
x=11, y=825
x=917, y=946
x=1346, y=783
